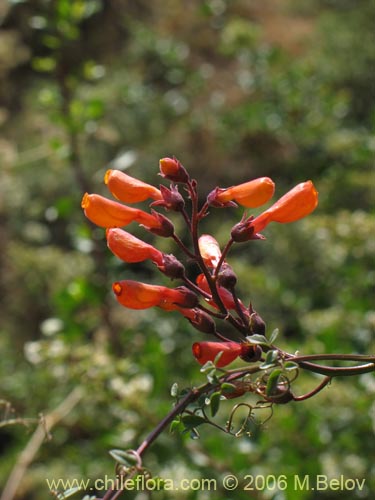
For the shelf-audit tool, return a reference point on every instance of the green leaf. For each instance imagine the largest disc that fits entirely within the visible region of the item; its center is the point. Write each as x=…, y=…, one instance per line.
x=258, y=339
x=227, y=388
x=175, y=425
x=274, y=335
x=123, y=457
x=290, y=366
x=212, y=377
x=174, y=390
x=270, y=360
x=194, y=434
x=215, y=402
x=273, y=381
x=217, y=357
x=191, y=421
x=207, y=367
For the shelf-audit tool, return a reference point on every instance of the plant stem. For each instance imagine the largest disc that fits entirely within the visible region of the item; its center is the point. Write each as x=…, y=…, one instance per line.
x=312, y=393
x=334, y=371
x=223, y=255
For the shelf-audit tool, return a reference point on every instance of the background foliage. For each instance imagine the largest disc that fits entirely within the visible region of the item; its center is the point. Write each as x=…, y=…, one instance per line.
x=235, y=90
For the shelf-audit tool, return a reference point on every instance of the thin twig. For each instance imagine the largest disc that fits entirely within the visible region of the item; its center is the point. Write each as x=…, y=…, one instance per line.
x=35, y=442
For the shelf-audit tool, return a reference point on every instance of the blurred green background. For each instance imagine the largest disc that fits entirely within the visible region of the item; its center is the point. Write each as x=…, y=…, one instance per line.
x=234, y=89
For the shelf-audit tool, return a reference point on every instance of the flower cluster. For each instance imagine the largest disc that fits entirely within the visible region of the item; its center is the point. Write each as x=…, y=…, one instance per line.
x=212, y=296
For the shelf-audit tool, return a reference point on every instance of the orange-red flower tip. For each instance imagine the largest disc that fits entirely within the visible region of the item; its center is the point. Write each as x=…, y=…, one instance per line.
x=117, y=288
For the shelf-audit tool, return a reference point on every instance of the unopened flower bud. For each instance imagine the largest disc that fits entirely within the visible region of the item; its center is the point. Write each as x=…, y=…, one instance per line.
x=240, y=387
x=171, y=199
x=203, y=322
x=257, y=325
x=227, y=277
x=190, y=299
x=281, y=395
x=165, y=227
x=171, y=169
x=253, y=354
x=244, y=231
x=172, y=267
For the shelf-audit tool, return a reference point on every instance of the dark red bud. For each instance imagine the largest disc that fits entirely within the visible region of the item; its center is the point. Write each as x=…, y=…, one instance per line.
x=171, y=169
x=227, y=277
x=281, y=395
x=172, y=267
x=172, y=199
x=214, y=202
x=243, y=231
x=166, y=227
x=190, y=298
x=252, y=354
x=203, y=322
x=257, y=325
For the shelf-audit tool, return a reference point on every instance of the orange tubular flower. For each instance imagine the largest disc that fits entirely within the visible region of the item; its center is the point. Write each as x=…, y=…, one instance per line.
x=250, y=194
x=294, y=205
x=135, y=295
x=108, y=213
x=207, y=351
x=209, y=249
x=128, y=189
x=130, y=249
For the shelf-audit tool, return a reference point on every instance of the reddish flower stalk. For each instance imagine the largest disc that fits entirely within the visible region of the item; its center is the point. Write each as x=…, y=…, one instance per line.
x=225, y=295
